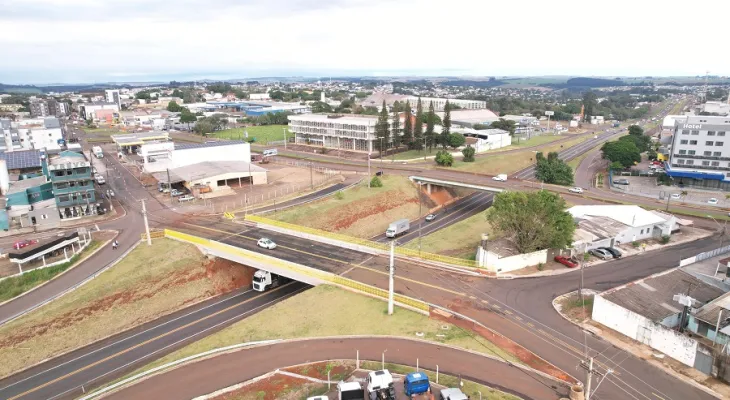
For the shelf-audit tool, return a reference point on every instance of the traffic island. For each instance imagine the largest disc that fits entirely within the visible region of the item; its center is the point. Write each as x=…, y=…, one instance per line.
x=310, y=380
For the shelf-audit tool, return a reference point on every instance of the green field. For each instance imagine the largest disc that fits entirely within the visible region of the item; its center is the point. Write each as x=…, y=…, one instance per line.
x=511, y=162
x=458, y=240
x=533, y=141
x=262, y=134
x=293, y=318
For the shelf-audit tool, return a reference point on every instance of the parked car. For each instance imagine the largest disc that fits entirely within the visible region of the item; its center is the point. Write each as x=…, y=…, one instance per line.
x=110, y=193
x=676, y=196
x=576, y=190
x=567, y=261
x=185, y=198
x=621, y=182
x=176, y=193
x=602, y=254
x=613, y=251
x=712, y=201
x=24, y=243
x=266, y=243
x=430, y=217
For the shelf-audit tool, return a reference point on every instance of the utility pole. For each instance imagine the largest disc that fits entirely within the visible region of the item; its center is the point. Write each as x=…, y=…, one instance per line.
x=390, y=277
x=368, y=170
x=169, y=185
x=284, y=138
x=589, y=367
x=146, y=224
x=420, y=223
x=311, y=175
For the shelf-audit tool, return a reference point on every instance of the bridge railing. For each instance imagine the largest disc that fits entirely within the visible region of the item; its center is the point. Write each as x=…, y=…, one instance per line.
x=296, y=269
x=384, y=247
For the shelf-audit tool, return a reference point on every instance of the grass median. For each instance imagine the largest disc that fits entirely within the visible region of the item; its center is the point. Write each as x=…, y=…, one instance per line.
x=458, y=240
x=360, y=211
x=512, y=162
x=17, y=285
x=340, y=313
x=149, y=282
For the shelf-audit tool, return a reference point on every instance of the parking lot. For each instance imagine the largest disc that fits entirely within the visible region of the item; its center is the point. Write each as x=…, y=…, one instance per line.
x=648, y=186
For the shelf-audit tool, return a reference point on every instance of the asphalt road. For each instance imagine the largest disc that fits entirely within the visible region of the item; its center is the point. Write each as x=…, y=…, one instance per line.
x=106, y=360
x=229, y=369
x=460, y=210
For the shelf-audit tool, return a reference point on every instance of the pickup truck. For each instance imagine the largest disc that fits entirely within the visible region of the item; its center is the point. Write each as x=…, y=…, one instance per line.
x=185, y=198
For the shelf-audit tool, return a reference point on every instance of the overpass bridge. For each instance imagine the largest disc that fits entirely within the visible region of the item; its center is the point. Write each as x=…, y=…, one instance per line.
x=429, y=182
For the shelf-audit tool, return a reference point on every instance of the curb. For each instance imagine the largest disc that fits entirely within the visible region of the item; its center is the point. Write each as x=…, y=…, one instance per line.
x=237, y=347
x=79, y=262
x=619, y=345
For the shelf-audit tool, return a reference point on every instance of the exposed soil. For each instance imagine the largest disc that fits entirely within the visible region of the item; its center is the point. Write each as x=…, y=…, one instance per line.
x=339, y=370
x=571, y=307
x=225, y=275
x=506, y=345
x=353, y=213
x=273, y=387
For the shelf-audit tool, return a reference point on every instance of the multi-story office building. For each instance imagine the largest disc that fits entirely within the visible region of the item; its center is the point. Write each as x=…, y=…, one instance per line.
x=700, y=153
x=73, y=185
x=112, y=96
x=47, y=108
x=346, y=132
x=440, y=103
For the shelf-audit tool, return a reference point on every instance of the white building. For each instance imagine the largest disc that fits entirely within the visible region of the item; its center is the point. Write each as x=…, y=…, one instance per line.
x=259, y=96
x=716, y=107
x=88, y=110
x=31, y=134
x=700, y=153
x=597, y=120
x=440, y=103
x=610, y=225
x=646, y=311
x=112, y=96
x=347, y=132
x=485, y=139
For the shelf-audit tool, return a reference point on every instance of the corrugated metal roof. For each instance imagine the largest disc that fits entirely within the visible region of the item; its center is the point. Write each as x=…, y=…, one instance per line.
x=652, y=297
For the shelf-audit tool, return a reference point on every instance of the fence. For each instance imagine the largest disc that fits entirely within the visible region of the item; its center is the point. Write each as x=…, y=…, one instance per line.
x=384, y=247
x=296, y=269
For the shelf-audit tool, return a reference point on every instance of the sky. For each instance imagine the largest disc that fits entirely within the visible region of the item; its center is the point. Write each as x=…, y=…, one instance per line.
x=86, y=41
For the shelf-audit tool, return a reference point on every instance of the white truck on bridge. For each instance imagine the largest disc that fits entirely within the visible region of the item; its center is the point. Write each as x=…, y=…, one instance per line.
x=97, y=152
x=265, y=279
x=397, y=228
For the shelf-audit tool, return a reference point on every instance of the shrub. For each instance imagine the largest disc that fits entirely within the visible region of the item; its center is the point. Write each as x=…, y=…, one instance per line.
x=540, y=266
x=444, y=158
x=468, y=153
x=586, y=256
x=664, y=239
x=376, y=182
x=339, y=195
x=635, y=244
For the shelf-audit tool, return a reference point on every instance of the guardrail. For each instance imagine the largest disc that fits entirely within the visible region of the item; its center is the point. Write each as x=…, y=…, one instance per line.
x=364, y=242
x=297, y=269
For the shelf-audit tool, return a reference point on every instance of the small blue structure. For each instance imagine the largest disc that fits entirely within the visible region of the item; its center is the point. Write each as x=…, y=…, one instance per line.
x=416, y=383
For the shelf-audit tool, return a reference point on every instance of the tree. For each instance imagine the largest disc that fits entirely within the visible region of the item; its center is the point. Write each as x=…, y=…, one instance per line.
x=444, y=158
x=382, y=132
x=456, y=140
x=430, y=138
x=186, y=117
x=642, y=142
x=505, y=125
x=532, y=221
x=177, y=93
x=622, y=151
x=174, y=107
x=553, y=170
x=636, y=130
x=480, y=127
x=590, y=101
x=320, y=107
x=446, y=125
x=408, y=126
x=468, y=153
x=616, y=166
x=418, y=128
x=395, y=129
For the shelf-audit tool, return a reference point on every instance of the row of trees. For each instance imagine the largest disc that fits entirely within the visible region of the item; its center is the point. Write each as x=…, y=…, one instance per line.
x=552, y=169
x=412, y=135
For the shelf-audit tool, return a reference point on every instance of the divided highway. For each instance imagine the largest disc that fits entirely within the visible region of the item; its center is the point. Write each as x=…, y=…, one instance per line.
x=70, y=375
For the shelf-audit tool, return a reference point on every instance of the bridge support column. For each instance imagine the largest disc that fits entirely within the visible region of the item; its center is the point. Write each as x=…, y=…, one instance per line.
x=428, y=188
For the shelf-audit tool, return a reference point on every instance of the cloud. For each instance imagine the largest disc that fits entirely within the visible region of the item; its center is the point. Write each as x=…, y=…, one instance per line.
x=101, y=40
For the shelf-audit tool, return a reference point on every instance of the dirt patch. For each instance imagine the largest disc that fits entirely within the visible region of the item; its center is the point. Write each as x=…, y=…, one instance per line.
x=274, y=387
x=227, y=275
x=572, y=307
x=440, y=196
x=339, y=370
x=507, y=345
x=353, y=213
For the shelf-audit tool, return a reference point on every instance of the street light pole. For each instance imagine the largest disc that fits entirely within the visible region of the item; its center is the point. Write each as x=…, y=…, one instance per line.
x=391, y=272
x=284, y=138
x=420, y=220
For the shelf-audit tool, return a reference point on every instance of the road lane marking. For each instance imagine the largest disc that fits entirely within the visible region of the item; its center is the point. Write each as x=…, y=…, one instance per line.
x=340, y=262
x=72, y=373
